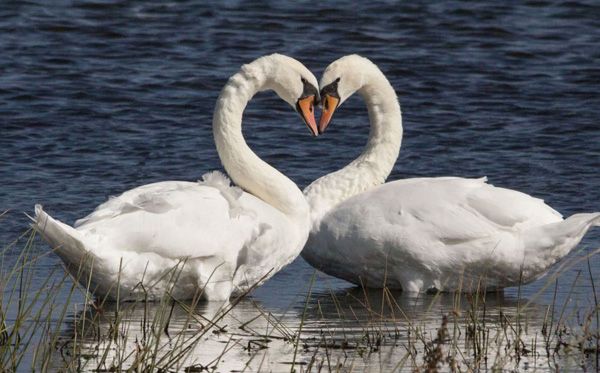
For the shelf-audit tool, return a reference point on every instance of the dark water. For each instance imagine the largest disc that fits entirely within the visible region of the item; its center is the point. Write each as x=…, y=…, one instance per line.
x=97, y=97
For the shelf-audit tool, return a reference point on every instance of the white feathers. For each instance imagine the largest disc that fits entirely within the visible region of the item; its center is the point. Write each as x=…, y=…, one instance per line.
x=216, y=179
x=446, y=233
x=220, y=181
x=185, y=238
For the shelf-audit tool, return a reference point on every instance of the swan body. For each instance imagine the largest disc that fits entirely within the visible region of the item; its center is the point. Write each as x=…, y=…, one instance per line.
x=421, y=234
x=443, y=233
x=204, y=238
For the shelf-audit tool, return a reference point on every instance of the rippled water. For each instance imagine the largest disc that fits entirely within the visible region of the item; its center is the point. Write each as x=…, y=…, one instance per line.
x=97, y=97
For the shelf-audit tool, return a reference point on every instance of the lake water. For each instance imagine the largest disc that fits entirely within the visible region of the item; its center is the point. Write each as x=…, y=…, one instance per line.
x=97, y=97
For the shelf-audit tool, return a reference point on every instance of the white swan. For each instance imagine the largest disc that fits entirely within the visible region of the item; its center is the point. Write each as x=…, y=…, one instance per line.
x=209, y=237
x=422, y=234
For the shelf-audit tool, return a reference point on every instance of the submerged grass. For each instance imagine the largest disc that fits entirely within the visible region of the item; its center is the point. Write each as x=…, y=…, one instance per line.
x=55, y=325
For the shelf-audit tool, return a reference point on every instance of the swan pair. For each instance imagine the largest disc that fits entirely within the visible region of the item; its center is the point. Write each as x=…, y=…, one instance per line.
x=217, y=240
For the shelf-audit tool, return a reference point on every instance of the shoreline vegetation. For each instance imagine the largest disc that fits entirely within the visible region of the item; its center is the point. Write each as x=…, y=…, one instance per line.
x=345, y=330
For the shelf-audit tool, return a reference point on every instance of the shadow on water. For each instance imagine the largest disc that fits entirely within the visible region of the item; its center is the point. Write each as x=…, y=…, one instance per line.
x=350, y=329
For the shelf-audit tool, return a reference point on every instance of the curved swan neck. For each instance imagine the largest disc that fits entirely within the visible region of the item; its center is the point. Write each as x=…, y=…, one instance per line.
x=244, y=167
x=376, y=161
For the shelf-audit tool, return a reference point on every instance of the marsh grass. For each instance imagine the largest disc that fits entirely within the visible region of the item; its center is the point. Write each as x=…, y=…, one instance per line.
x=55, y=325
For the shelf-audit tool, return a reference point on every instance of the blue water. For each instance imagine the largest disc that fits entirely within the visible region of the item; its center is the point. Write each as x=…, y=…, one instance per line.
x=97, y=97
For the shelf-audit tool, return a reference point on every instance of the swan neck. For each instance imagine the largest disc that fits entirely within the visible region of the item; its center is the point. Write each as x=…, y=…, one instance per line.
x=244, y=167
x=377, y=160
x=385, y=131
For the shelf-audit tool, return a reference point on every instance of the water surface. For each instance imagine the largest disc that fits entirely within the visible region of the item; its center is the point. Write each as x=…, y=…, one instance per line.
x=97, y=97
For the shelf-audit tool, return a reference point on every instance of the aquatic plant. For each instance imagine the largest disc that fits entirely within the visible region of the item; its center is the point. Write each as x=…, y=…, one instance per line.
x=55, y=324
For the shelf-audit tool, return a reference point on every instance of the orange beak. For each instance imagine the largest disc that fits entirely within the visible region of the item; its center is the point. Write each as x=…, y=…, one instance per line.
x=330, y=103
x=306, y=108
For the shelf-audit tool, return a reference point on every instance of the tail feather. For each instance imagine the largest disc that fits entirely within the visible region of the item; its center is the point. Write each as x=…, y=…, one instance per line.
x=65, y=240
x=553, y=241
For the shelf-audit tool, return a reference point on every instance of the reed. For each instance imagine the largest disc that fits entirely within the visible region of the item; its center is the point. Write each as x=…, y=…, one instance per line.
x=55, y=324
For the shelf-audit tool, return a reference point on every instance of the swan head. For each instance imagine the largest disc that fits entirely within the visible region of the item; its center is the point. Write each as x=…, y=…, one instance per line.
x=340, y=80
x=297, y=86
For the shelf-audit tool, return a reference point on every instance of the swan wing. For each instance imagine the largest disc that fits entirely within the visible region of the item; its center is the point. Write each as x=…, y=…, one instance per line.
x=178, y=219
x=216, y=230
x=425, y=225
x=510, y=209
x=448, y=209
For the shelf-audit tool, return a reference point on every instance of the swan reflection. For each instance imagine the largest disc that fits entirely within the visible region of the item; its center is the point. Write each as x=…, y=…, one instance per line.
x=370, y=330
x=178, y=336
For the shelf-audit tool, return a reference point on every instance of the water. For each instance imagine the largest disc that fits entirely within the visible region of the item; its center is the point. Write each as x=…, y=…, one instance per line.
x=97, y=97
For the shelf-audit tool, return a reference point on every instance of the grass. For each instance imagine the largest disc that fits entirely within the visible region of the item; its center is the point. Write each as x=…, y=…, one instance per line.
x=55, y=325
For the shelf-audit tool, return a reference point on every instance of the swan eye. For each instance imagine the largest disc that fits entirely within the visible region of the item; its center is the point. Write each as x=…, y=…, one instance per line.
x=331, y=89
x=309, y=90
